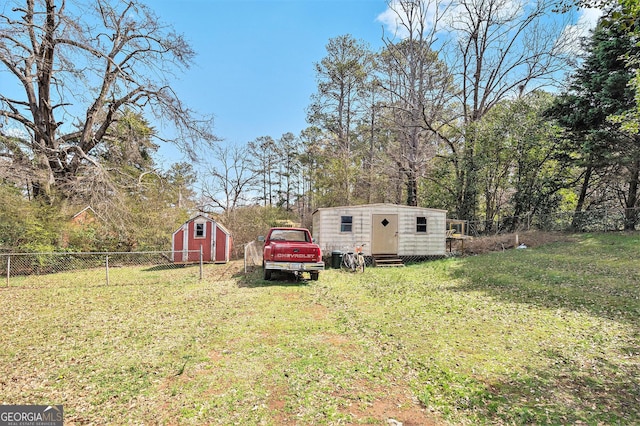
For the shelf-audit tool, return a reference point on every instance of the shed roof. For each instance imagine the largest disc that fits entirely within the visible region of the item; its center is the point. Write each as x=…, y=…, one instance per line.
x=208, y=219
x=379, y=205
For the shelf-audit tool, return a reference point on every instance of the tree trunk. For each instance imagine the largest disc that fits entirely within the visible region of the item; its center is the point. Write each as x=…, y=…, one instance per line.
x=630, y=212
x=468, y=189
x=575, y=223
x=412, y=189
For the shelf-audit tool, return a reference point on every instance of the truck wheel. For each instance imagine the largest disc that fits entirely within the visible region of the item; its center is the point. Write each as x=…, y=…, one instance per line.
x=314, y=276
x=266, y=273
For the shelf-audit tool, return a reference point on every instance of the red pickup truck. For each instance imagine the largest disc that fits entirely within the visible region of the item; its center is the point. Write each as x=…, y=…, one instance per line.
x=291, y=250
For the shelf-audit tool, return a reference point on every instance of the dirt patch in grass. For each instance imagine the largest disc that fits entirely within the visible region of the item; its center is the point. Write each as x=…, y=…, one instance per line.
x=400, y=409
x=225, y=272
x=480, y=245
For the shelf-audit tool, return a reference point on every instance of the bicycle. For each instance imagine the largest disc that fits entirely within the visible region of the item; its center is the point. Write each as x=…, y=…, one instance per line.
x=353, y=261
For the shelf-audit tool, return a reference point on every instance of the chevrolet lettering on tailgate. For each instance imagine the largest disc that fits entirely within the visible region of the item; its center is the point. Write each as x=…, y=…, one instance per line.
x=291, y=250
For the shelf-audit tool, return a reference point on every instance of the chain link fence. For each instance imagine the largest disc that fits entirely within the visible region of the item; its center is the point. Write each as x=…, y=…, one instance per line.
x=99, y=265
x=252, y=256
x=600, y=220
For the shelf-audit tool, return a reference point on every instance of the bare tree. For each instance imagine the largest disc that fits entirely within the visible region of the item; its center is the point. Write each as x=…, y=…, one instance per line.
x=494, y=50
x=229, y=181
x=75, y=68
x=418, y=86
x=503, y=49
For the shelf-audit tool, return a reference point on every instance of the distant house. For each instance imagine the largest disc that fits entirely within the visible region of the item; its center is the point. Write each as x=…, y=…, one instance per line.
x=85, y=216
x=385, y=229
x=201, y=233
x=79, y=223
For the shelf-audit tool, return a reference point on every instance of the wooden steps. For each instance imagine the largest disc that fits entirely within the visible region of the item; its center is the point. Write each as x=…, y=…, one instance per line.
x=381, y=260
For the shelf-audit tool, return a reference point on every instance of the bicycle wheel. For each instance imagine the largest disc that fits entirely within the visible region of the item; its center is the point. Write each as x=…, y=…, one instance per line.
x=360, y=264
x=344, y=264
x=348, y=261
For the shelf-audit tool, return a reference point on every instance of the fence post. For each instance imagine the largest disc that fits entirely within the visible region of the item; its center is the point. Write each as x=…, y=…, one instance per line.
x=8, y=269
x=201, y=256
x=107, y=267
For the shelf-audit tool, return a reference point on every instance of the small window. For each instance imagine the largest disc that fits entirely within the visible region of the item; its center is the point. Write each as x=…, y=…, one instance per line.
x=346, y=223
x=200, y=230
x=421, y=224
x=457, y=227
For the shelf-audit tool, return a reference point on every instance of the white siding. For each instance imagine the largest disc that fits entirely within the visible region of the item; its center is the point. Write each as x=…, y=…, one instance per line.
x=413, y=243
x=326, y=229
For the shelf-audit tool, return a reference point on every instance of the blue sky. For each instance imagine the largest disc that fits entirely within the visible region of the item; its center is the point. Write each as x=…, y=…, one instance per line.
x=255, y=58
x=254, y=69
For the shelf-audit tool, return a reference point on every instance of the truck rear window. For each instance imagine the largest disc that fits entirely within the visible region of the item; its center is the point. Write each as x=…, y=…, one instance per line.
x=288, y=235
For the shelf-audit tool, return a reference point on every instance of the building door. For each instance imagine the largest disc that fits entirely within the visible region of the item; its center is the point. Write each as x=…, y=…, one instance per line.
x=220, y=246
x=384, y=235
x=179, y=245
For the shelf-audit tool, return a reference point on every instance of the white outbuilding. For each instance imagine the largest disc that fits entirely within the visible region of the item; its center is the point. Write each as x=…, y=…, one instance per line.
x=386, y=230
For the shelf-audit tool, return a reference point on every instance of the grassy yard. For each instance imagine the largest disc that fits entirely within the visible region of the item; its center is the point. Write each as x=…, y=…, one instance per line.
x=549, y=335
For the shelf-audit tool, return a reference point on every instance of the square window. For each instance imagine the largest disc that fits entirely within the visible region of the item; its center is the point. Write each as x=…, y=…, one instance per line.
x=457, y=228
x=199, y=230
x=421, y=224
x=346, y=223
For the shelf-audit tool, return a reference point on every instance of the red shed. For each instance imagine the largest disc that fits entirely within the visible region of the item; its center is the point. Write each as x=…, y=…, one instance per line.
x=201, y=231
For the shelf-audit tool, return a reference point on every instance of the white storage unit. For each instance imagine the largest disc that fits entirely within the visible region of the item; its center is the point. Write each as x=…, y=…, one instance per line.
x=384, y=229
